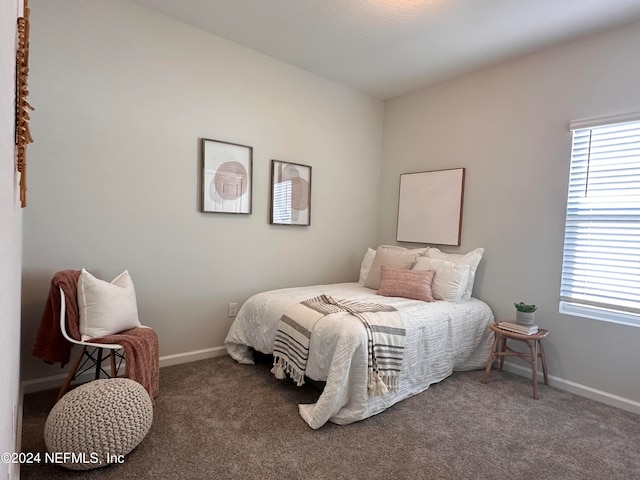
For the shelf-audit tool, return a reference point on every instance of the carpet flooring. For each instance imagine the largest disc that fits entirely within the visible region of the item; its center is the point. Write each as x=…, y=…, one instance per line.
x=216, y=419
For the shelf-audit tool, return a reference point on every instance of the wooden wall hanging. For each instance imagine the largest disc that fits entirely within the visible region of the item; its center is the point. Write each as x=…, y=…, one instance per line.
x=23, y=135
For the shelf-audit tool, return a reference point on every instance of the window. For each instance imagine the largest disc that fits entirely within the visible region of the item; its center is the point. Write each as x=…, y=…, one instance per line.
x=601, y=262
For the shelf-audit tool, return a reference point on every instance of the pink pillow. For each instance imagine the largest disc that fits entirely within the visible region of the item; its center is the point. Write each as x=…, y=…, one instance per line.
x=415, y=284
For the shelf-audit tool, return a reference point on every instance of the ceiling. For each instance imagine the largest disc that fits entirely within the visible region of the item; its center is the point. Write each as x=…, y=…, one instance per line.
x=389, y=47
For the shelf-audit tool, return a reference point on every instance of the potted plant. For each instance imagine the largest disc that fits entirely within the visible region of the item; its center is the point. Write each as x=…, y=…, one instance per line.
x=525, y=313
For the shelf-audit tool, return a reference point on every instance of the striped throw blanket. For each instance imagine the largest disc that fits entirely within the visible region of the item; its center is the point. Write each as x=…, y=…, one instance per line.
x=385, y=334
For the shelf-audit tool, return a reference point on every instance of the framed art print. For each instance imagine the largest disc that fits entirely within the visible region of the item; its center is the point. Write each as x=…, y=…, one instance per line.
x=227, y=170
x=290, y=194
x=430, y=207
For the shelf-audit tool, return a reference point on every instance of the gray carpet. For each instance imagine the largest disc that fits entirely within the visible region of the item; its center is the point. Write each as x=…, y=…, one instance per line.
x=216, y=419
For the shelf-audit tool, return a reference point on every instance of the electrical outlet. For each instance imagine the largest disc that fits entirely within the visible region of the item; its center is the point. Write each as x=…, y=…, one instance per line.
x=233, y=309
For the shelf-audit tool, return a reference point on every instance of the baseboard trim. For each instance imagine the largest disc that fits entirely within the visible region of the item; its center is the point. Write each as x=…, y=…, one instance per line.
x=178, y=358
x=579, y=389
x=18, y=420
x=56, y=381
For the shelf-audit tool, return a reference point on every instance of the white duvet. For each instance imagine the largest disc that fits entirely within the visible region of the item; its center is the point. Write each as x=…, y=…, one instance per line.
x=440, y=337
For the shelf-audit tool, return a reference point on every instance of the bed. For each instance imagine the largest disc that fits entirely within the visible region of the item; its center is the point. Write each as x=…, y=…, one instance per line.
x=441, y=337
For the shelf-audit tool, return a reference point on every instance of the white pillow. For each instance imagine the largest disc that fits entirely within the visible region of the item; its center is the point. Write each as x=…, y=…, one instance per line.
x=367, y=261
x=106, y=308
x=391, y=258
x=450, y=281
x=417, y=251
x=366, y=265
x=472, y=259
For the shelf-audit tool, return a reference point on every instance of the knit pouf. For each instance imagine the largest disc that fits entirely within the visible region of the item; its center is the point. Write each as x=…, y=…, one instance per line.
x=98, y=423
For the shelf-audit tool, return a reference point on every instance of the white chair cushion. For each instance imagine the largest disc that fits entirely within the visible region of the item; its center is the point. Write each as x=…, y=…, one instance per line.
x=106, y=308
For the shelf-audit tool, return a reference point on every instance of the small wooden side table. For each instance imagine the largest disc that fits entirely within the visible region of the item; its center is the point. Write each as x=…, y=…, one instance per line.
x=501, y=349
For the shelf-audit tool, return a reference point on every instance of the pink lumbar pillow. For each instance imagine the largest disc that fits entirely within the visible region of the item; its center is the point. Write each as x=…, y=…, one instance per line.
x=414, y=284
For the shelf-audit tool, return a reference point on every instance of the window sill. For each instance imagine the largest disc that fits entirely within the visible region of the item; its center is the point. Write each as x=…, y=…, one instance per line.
x=601, y=314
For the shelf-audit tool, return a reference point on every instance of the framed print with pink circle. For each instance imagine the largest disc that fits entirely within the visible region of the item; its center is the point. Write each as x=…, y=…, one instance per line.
x=290, y=194
x=227, y=170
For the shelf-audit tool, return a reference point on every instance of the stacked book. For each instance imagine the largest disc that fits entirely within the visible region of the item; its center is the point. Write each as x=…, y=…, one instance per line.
x=517, y=328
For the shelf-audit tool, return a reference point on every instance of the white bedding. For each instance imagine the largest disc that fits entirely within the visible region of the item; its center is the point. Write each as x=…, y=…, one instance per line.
x=440, y=337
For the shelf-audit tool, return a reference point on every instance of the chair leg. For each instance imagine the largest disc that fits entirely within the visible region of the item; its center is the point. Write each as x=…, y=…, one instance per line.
x=502, y=348
x=544, y=362
x=114, y=373
x=70, y=377
x=98, y=364
x=534, y=367
x=492, y=356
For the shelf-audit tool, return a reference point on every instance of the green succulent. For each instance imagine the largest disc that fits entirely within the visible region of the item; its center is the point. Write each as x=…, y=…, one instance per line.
x=523, y=307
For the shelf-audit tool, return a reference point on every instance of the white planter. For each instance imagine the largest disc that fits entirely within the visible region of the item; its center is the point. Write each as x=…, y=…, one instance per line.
x=525, y=318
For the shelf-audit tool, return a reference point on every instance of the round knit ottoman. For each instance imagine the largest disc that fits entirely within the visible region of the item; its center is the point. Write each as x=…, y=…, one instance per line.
x=98, y=423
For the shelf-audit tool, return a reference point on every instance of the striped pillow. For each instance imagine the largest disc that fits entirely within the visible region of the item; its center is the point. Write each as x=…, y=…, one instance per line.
x=414, y=284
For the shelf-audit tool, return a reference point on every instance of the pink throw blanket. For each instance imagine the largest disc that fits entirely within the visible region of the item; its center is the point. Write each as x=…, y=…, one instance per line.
x=141, y=347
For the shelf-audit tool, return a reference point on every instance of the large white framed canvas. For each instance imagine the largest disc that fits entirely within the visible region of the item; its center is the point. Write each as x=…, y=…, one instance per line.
x=430, y=207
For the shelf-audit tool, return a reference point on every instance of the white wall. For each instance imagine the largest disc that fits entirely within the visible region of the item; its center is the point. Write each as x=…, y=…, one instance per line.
x=10, y=238
x=508, y=126
x=122, y=97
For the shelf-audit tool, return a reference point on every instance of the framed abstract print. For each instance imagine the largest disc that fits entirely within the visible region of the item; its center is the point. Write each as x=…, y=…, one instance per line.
x=290, y=194
x=227, y=170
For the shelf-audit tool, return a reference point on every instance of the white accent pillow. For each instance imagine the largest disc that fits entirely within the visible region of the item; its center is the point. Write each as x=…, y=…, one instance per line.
x=366, y=265
x=472, y=259
x=417, y=251
x=367, y=261
x=391, y=258
x=106, y=308
x=450, y=281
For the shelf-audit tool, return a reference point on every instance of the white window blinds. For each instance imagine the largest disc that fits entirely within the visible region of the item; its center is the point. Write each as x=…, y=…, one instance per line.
x=601, y=263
